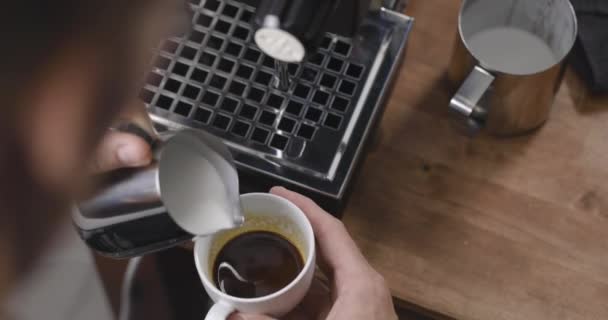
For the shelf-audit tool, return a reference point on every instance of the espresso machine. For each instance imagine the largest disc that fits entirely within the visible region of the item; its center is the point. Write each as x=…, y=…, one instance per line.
x=294, y=88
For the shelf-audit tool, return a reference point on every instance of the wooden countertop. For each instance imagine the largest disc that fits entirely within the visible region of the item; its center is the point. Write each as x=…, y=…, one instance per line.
x=484, y=228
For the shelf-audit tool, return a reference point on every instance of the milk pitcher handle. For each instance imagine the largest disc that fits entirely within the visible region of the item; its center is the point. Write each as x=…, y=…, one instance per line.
x=466, y=102
x=132, y=128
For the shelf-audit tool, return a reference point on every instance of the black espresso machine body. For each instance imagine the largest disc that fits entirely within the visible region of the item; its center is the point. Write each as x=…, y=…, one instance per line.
x=309, y=136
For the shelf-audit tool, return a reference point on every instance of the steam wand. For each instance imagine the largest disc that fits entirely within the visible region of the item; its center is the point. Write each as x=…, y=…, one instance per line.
x=281, y=80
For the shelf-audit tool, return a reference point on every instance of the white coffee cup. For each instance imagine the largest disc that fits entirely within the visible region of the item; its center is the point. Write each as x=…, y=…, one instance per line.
x=263, y=212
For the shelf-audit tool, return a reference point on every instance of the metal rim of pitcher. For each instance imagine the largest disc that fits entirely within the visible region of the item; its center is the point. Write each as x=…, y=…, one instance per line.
x=481, y=61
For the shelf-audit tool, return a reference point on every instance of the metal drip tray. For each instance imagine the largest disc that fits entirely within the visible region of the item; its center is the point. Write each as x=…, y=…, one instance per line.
x=310, y=136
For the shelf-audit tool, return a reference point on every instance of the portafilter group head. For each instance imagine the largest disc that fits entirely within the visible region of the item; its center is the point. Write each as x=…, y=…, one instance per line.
x=289, y=29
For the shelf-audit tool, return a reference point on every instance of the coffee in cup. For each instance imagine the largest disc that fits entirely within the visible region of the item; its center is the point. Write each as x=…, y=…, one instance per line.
x=255, y=264
x=265, y=267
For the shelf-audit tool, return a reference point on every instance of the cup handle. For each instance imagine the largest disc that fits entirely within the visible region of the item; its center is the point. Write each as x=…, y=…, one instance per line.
x=220, y=311
x=466, y=103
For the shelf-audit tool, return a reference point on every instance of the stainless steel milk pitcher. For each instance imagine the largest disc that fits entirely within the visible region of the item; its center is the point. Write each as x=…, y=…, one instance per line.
x=190, y=189
x=509, y=62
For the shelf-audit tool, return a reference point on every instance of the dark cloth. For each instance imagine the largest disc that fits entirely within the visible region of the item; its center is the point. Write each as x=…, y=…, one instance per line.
x=590, y=54
x=591, y=6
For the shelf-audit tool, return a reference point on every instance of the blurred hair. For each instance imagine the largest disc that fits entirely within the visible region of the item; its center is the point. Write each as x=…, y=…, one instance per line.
x=34, y=35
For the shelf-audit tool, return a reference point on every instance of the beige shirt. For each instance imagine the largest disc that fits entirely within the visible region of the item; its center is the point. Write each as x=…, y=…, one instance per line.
x=63, y=285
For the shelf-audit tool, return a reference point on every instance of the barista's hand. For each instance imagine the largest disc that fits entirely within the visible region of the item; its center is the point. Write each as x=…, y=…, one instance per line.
x=356, y=291
x=120, y=150
x=124, y=150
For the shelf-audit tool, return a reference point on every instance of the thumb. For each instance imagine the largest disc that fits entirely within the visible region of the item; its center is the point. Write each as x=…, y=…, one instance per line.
x=246, y=316
x=118, y=150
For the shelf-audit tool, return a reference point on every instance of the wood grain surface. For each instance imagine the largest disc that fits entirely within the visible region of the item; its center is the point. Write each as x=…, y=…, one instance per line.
x=484, y=228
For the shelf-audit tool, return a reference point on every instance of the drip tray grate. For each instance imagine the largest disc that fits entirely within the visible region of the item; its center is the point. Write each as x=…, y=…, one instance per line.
x=215, y=78
x=218, y=68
